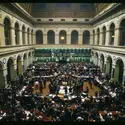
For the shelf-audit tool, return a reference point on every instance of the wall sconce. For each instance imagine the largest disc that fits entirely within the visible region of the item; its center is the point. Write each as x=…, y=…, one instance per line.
x=62, y=37
x=112, y=35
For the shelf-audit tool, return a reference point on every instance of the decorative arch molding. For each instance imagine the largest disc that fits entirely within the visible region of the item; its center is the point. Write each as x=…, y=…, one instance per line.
x=38, y=30
x=75, y=31
x=63, y=30
x=102, y=55
x=92, y=53
x=19, y=56
x=17, y=23
x=25, y=55
x=108, y=56
x=119, y=58
x=9, y=18
x=97, y=54
x=51, y=30
x=104, y=25
x=29, y=54
x=112, y=22
x=11, y=58
x=120, y=20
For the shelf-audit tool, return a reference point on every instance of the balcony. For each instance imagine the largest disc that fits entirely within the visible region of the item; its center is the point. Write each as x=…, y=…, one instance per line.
x=14, y=49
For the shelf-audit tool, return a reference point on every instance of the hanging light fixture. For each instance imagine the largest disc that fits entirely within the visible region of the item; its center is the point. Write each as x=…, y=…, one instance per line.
x=62, y=38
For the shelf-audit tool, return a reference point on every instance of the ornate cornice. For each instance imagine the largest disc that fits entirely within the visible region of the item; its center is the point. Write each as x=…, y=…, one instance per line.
x=14, y=15
x=23, y=11
x=110, y=18
x=67, y=25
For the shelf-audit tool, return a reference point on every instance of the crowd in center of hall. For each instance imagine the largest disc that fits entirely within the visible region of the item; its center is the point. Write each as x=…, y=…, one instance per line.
x=19, y=103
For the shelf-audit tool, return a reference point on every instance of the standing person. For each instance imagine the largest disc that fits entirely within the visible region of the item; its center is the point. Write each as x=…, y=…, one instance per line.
x=87, y=90
x=41, y=86
x=36, y=84
x=81, y=86
x=44, y=82
x=65, y=89
x=57, y=89
x=70, y=89
x=90, y=83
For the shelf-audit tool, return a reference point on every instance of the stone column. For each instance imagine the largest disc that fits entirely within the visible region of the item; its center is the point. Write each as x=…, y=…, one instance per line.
x=95, y=59
x=92, y=59
x=29, y=60
x=20, y=36
x=32, y=59
x=96, y=37
x=104, y=68
x=45, y=38
x=91, y=39
x=30, y=38
x=3, y=78
x=116, y=72
x=68, y=38
x=25, y=63
x=20, y=67
x=13, y=70
x=113, y=71
x=26, y=42
x=107, y=36
x=117, y=36
x=107, y=66
x=2, y=36
x=56, y=38
x=12, y=35
x=101, y=37
x=34, y=39
x=80, y=39
x=99, y=60
x=101, y=65
x=123, y=81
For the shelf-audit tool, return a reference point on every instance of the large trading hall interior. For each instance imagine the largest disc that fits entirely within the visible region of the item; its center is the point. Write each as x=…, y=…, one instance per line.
x=62, y=61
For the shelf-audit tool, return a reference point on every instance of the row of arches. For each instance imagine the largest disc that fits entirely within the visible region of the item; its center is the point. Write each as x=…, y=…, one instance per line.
x=8, y=33
x=115, y=70
x=62, y=37
x=14, y=68
x=109, y=32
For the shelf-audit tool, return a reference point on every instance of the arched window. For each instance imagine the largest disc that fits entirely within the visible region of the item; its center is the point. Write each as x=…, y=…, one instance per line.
x=112, y=33
x=23, y=34
x=51, y=37
x=16, y=33
x=39, y=37
x=119, y=67
x=74, y=37
x=93, y=37
x=104, y=35
x=32, y=36
x=98, y=36
x=7, y=31
x=28, y=31
x=122, y=33
x=62, y=37
x=86, y=37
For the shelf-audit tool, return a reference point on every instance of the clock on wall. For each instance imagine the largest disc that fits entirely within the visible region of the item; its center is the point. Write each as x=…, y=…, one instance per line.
x=4, y=60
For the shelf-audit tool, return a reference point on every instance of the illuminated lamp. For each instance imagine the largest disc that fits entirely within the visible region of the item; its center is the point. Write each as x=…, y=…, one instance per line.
x=62, y=37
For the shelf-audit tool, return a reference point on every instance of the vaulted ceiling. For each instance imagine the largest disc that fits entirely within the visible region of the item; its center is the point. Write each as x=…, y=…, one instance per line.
x=57, y=10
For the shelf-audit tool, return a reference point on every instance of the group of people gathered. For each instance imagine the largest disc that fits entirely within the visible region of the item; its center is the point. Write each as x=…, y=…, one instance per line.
x=19, y=103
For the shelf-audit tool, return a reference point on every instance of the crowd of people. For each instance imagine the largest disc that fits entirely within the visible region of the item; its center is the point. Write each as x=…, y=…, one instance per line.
x=18, y=103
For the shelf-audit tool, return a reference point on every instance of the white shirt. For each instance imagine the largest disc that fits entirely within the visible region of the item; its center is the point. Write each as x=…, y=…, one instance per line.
x=36, y=83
